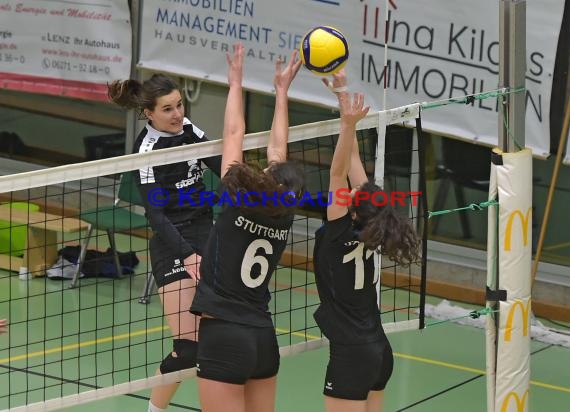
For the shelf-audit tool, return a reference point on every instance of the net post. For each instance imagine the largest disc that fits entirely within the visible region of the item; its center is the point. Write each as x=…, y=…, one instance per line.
x=511, y=133
x=512, y=72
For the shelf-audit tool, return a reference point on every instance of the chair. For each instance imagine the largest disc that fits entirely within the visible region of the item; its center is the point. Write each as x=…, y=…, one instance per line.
x=211, y=181
x=113, y=219
x=463, y=165
x=12, y=145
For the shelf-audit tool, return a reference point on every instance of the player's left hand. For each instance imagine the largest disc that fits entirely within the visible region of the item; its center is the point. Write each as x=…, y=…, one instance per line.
x=235, y=65
x=284, y=77
x=192, y=266
x=352, y=110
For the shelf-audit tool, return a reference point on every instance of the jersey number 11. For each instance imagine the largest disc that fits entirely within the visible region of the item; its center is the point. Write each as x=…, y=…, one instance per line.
x=357, y=254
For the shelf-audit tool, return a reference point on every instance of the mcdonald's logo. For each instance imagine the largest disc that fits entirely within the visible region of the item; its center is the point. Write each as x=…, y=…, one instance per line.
x=525, y=219
x=525, y=312
x=520, y=403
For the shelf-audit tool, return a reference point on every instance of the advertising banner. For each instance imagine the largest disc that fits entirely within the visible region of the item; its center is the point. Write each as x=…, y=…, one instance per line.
x=67, y=48
x=437, y=49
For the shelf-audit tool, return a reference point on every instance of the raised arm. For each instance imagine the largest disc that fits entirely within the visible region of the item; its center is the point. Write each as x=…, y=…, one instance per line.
x=234, y=121
x=277, y=146
x=356, y=174
x=351, y=111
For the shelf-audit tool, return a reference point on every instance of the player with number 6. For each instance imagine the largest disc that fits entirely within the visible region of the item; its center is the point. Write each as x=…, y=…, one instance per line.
x=361, y=360
x=238, y=355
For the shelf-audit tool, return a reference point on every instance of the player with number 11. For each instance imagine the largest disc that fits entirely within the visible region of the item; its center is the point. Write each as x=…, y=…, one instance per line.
x=361, y=360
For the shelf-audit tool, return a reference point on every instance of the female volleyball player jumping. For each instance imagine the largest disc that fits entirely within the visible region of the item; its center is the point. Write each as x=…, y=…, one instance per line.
x=238, y=355
x=180, y=228
x=361, y=361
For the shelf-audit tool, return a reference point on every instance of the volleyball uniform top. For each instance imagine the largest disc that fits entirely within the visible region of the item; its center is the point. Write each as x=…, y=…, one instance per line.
x=344, y=272
x=171, y=193
x=241, y=254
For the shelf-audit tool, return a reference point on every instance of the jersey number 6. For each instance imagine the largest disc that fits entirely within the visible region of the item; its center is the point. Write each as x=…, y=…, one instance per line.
x=250, y=258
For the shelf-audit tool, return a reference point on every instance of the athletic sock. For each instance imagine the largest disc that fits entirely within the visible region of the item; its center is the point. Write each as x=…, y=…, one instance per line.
x=152, y=408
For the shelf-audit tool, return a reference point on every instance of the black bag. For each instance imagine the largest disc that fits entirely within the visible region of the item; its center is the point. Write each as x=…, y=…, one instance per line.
x=101, y=263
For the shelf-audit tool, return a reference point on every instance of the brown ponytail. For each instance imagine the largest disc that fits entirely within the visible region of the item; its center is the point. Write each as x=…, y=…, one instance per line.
x=131, y=94
x=383, y=229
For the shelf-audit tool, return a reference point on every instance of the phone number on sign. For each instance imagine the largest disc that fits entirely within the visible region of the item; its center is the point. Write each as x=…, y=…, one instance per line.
x=76, y=67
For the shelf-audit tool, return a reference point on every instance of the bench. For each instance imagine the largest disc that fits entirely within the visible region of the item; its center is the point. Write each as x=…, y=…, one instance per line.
x=41, y=247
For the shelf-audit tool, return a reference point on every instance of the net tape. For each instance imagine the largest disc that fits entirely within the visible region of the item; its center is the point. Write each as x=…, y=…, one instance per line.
x=95, y=168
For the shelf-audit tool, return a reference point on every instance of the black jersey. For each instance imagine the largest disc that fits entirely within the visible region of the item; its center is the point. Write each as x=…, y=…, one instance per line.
x=171, y=193
x=344, y=272
x=242, y=252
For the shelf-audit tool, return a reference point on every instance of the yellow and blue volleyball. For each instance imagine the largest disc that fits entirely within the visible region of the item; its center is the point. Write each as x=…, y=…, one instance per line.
x=324, y=50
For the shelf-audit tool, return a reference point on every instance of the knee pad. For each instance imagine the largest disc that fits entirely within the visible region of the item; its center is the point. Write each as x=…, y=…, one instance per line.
x=186, y=351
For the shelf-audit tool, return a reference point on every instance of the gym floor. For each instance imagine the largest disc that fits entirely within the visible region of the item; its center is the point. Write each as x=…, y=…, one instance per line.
x=441, y=368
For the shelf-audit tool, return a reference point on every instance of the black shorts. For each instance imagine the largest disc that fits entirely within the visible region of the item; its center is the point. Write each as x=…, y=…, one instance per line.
x=168, y=264
x=233, y=353
x=355, y=370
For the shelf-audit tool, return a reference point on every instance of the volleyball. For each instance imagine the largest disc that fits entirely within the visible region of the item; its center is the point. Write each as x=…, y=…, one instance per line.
x=324, y=50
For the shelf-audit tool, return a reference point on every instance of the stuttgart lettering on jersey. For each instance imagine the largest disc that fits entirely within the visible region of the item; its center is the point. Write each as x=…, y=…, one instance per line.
x=255, y=228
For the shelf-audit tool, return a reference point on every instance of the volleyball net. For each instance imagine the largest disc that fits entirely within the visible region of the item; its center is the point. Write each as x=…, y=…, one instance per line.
x=78, y=331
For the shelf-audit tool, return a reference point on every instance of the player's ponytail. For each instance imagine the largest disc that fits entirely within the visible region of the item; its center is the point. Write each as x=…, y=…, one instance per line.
x=125, y=93
x=383, y=229
x=132, y=94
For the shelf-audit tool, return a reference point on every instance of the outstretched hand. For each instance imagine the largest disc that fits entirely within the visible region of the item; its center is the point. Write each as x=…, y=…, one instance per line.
x=284, y=77
x=352, y=110
x=3, y=326
x=235, y=65
x=338, y=83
